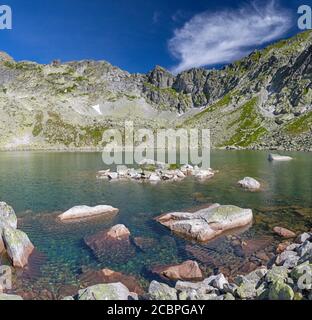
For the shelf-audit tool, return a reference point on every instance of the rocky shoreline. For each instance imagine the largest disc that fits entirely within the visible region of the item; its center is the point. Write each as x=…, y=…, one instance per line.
x=286, y=276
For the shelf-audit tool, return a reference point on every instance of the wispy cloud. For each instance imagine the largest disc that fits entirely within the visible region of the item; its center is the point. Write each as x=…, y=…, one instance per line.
x=224, y=36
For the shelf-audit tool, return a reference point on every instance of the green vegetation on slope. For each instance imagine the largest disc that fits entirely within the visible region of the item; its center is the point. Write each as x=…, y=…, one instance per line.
x=300, y=125
x=225, y=101
x=249, y=126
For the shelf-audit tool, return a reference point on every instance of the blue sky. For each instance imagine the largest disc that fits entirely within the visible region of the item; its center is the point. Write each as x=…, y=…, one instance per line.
x=138, y=34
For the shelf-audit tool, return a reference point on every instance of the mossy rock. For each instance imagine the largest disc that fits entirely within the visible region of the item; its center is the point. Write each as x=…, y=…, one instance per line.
x=279, y=290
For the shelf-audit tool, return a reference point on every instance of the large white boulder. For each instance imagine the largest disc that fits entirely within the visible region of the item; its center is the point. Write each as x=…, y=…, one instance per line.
x=208, y=223
x=278, y=157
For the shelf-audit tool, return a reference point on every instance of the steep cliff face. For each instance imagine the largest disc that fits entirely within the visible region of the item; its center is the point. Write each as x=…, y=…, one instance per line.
x=263, y=100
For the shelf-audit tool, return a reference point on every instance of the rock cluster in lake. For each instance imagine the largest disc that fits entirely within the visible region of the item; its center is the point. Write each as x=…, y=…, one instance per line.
x=15, y=242
x=155, y=172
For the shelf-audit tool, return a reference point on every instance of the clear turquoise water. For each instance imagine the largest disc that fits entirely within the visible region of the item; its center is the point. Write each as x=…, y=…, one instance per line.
x=41, y=185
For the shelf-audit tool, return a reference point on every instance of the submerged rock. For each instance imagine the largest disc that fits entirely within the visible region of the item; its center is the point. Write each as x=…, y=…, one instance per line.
x=277, y=157
x=113, y=244
x=18, y=246
x=82, y=212
x=188, y=270
x=208, y=223
x=118, y=232
x=112, y=291
x=284, y=233
x=250, y=184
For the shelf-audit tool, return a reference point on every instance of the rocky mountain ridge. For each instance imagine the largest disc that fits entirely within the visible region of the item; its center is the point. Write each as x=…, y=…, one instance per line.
x=261, y=101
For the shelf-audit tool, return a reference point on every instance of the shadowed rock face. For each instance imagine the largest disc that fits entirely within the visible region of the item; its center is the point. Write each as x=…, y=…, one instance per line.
x=207, y=224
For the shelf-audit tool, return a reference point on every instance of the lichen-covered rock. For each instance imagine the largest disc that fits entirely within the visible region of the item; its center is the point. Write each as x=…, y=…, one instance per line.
x=161, y=291
x=82, y=212
x=18, y=246
x=92, y=277
x=208, y=223
x=277, y=273
x=7, y=216
x=279, y=290
x=112, y=291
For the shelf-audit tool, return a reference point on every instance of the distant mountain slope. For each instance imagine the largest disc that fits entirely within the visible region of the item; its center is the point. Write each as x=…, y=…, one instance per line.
x=261, y=101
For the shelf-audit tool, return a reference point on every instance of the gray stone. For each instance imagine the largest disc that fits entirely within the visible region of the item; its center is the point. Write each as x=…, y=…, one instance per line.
x=250, y=184
x=228, y=297
x=277, y=273
x=203, y=286
x=7, y=216
x=18, y=246
x=161, y=291
x=304, y=237
x=220, y=281
x=277, y=157
x=112, y=291
x=305, y=248
x=288, y=259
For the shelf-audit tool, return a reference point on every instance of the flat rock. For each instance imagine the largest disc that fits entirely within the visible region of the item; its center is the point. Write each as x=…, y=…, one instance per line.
x=284, y=233
x=208, y=223
x=188, y=271
x=278, y=157
x=82, y=212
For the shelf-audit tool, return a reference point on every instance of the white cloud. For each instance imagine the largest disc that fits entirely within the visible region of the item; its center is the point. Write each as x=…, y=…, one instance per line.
x=224, y=36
